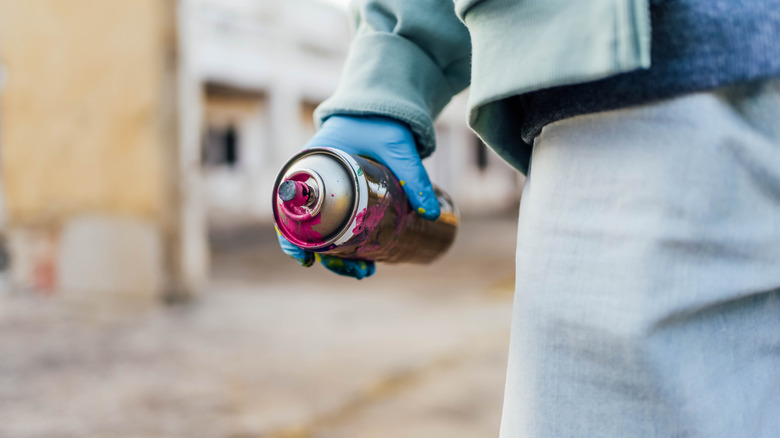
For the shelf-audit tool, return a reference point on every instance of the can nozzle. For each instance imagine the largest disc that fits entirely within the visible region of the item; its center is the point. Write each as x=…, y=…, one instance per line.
x=294, y=192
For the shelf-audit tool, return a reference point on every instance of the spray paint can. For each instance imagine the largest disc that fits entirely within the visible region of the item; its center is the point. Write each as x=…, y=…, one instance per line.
x=331, y=202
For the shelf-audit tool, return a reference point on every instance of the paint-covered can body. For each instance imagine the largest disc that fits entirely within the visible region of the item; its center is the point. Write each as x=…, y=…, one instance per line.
x=328, y=201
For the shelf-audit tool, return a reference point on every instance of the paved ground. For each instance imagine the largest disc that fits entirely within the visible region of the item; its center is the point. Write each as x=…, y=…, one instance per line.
x=271, y=350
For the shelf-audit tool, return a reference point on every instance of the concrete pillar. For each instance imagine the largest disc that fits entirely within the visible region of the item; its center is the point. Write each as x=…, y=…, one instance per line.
x=192, y=246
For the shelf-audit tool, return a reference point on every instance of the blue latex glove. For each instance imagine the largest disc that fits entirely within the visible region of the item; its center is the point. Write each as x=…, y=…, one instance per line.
x=389, y=142
x=359, y=269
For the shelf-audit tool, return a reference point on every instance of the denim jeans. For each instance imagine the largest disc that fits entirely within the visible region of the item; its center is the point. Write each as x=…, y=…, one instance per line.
x=647, y=301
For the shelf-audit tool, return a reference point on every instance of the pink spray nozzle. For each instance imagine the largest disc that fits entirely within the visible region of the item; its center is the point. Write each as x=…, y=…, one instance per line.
x=293, y=193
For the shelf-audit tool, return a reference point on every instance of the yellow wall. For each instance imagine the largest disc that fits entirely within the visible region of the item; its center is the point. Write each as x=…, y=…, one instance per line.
x=82, y=123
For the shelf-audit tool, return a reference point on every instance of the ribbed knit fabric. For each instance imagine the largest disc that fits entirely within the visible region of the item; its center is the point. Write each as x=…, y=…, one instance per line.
x=696, y=45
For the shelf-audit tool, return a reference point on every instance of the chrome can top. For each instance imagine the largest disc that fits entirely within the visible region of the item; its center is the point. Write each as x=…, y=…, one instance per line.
x=316, y=197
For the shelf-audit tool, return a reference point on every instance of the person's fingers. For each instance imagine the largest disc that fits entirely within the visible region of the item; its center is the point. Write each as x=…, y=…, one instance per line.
x=390, y=143
x=358, y=269
x=416, y=184
x=303, y=257
x=348, y=267
x=401, y=157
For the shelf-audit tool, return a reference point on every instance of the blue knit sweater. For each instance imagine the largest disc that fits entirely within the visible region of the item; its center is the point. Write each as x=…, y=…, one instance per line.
x=696, y=45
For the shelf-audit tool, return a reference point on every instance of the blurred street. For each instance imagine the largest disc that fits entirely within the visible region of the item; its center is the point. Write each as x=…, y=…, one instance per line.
x=271, y=350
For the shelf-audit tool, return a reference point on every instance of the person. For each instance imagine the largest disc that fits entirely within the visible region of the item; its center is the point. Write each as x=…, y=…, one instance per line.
x=647, y=301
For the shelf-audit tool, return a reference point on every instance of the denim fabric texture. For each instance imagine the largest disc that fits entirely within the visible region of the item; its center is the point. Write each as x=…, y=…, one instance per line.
x=648, y=273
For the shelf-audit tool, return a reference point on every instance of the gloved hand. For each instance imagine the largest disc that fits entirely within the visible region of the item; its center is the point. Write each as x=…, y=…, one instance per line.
x=384, y=140
x=359, y=269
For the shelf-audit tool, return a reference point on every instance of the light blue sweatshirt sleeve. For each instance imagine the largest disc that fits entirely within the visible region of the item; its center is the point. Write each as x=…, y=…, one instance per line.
x=406, y=61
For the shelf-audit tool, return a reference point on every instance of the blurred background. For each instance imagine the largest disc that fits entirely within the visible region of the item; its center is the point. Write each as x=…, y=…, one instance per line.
x=142, y=293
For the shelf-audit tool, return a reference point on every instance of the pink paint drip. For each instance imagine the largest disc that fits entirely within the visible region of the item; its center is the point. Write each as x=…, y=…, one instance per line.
x=369, y=218
x=359, y=222
x=374, y=215
x=301, y=233
x=368, y=221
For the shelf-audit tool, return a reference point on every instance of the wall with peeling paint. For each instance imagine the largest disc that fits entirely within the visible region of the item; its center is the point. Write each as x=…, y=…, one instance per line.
x=81, y=108
x=87, y=121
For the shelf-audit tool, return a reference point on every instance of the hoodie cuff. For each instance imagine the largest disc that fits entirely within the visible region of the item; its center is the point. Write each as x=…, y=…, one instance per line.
x=387, y=75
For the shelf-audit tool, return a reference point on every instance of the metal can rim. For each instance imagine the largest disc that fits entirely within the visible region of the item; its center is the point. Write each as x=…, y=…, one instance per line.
x=358, y=185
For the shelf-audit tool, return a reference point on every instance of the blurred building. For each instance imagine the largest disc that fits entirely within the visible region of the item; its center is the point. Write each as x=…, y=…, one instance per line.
x=87, y=129
x=130, y=129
